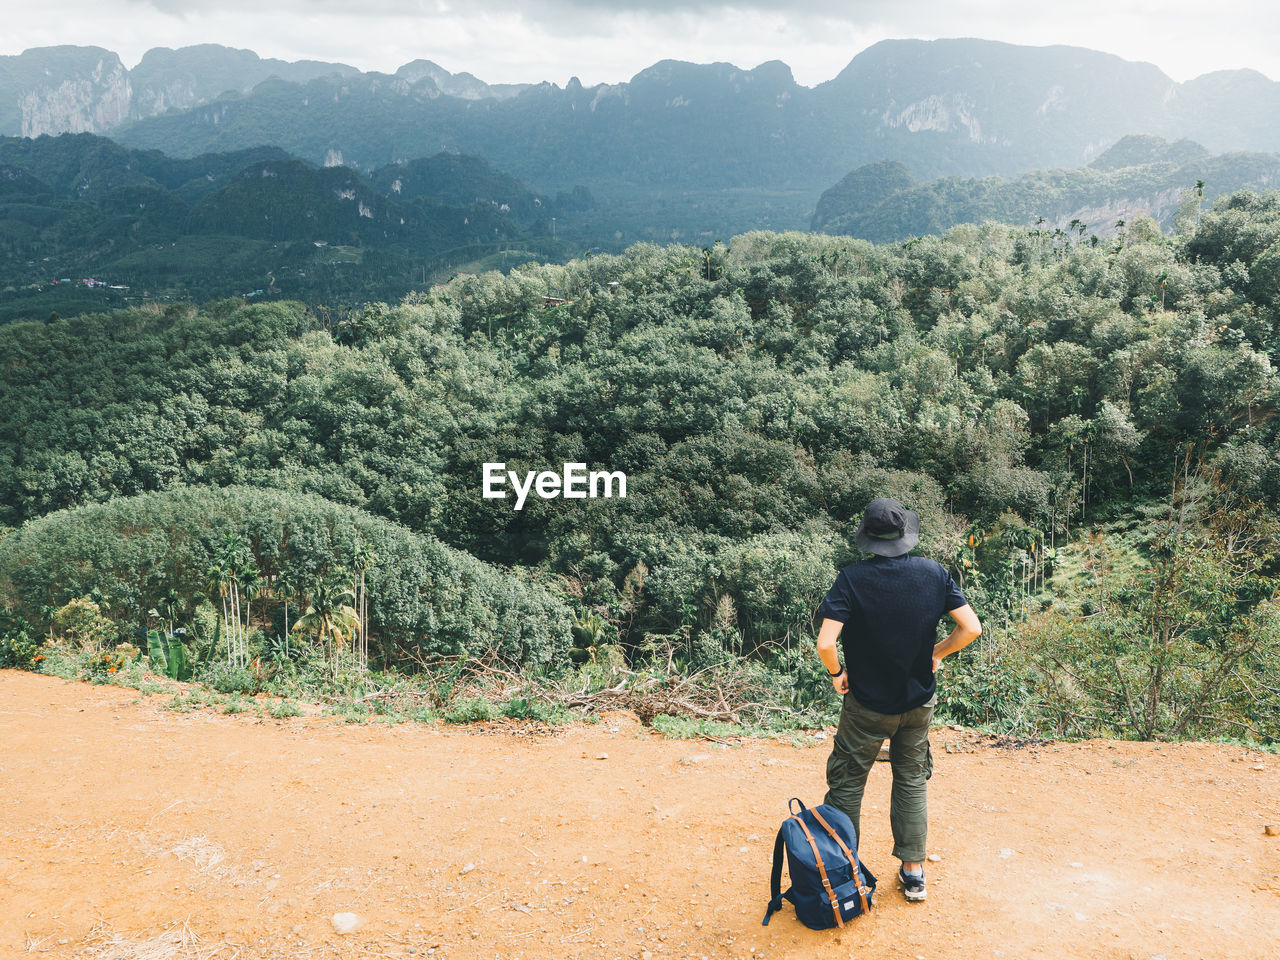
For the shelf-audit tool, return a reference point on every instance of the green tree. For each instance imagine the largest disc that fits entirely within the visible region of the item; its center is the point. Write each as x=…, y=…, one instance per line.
x=330, y=620
x=1186, y=644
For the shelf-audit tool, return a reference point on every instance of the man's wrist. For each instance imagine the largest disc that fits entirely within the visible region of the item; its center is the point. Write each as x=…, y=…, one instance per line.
x=833, y=675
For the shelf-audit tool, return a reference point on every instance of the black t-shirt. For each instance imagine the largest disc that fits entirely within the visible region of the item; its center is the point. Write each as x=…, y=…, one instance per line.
x=890, y=608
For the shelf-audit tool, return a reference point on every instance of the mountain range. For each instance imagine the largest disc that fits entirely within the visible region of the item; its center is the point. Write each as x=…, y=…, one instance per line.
x=686, y=151
x=965, y=107
x=68, y=89
x=85, y=222
x=934, y=132
x=949, y=106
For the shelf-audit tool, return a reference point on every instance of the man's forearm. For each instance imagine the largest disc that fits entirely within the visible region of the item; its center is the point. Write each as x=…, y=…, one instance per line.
x=958, y=639
x=967, y=630
x=827, y=651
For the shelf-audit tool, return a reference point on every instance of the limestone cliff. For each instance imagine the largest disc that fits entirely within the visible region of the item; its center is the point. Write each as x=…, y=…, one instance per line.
x=52, y=90
x=63, y=90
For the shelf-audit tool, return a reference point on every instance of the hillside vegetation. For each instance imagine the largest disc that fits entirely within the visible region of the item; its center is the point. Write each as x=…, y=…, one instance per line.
x=255, y=223
x=1087, y=430
x=1138, y=176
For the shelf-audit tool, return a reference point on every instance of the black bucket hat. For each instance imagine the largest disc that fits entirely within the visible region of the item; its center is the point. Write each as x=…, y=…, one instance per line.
x=888, y=528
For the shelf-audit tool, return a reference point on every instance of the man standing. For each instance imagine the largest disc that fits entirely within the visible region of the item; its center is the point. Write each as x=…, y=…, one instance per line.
x=887, y=610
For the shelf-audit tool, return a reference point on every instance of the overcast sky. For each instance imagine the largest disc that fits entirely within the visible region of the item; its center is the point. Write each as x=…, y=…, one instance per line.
x=533, y=40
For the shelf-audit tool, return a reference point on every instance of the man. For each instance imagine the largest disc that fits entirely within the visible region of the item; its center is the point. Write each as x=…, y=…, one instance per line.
x=887, y=611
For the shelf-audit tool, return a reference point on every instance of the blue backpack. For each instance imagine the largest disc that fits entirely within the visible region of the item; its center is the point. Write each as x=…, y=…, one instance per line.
x=828, y=884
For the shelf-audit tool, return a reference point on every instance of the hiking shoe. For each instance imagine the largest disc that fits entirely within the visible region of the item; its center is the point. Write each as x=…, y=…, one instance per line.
x=912, y=884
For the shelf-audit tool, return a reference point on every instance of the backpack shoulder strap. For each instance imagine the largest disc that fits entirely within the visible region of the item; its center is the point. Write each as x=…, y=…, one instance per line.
x=822, y=872
x=844, y=848
x=775, y=881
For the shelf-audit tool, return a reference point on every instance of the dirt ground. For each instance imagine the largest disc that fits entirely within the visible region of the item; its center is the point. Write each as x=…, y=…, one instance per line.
x=129, y=831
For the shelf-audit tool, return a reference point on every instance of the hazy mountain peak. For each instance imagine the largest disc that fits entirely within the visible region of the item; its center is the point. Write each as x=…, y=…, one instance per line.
x=1143, y=148
x=696, y=79
x=666, y=71
x=987, y=65
x=64, y=50
x=62, y=88
x=776, y=71
x=415, y=70
x=465, y=86
x=1243, y=74
x=209, y=65
x=77, y=89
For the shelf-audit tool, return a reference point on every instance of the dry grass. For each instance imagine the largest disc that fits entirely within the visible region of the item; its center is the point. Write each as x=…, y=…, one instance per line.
x=726, y=693
x=177, y=941
x=706, y=695
x=202, y=853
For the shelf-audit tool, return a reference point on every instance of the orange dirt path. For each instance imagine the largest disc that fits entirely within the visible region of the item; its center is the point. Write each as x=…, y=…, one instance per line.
x=129, y=831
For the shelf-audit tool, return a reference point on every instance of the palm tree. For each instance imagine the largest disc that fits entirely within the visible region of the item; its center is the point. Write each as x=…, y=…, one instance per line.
x=364, y=559
x=233, y=567
x=252, y=584
x=330, y=618
x=217, y=582
x=287, y=587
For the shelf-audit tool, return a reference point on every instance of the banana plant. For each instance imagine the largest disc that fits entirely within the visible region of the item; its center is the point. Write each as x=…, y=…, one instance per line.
x=167, y=655
x=588, y=633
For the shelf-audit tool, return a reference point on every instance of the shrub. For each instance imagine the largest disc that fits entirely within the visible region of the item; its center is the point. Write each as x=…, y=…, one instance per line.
x=18, y=646
x=470, y=710
x=528, y=708
x=228, y=679
x=426, y=600
x=187, y=702
x=285, y=708
x=692, y=728
x=980, y=688
x=1180, y=647
x=81, y=623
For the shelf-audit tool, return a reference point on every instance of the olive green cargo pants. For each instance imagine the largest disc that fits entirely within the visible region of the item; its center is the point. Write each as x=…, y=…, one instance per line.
x=857, y=743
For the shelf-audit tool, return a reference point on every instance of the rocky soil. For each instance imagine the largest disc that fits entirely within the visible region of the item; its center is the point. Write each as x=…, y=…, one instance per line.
x=130, y=831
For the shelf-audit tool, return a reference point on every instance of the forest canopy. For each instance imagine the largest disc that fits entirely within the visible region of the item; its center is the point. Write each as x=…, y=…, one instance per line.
x=1014, y=386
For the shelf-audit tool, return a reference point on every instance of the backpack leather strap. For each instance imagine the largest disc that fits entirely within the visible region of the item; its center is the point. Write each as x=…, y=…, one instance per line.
x=775, y=881
x=844, y=848
x=822, y=872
